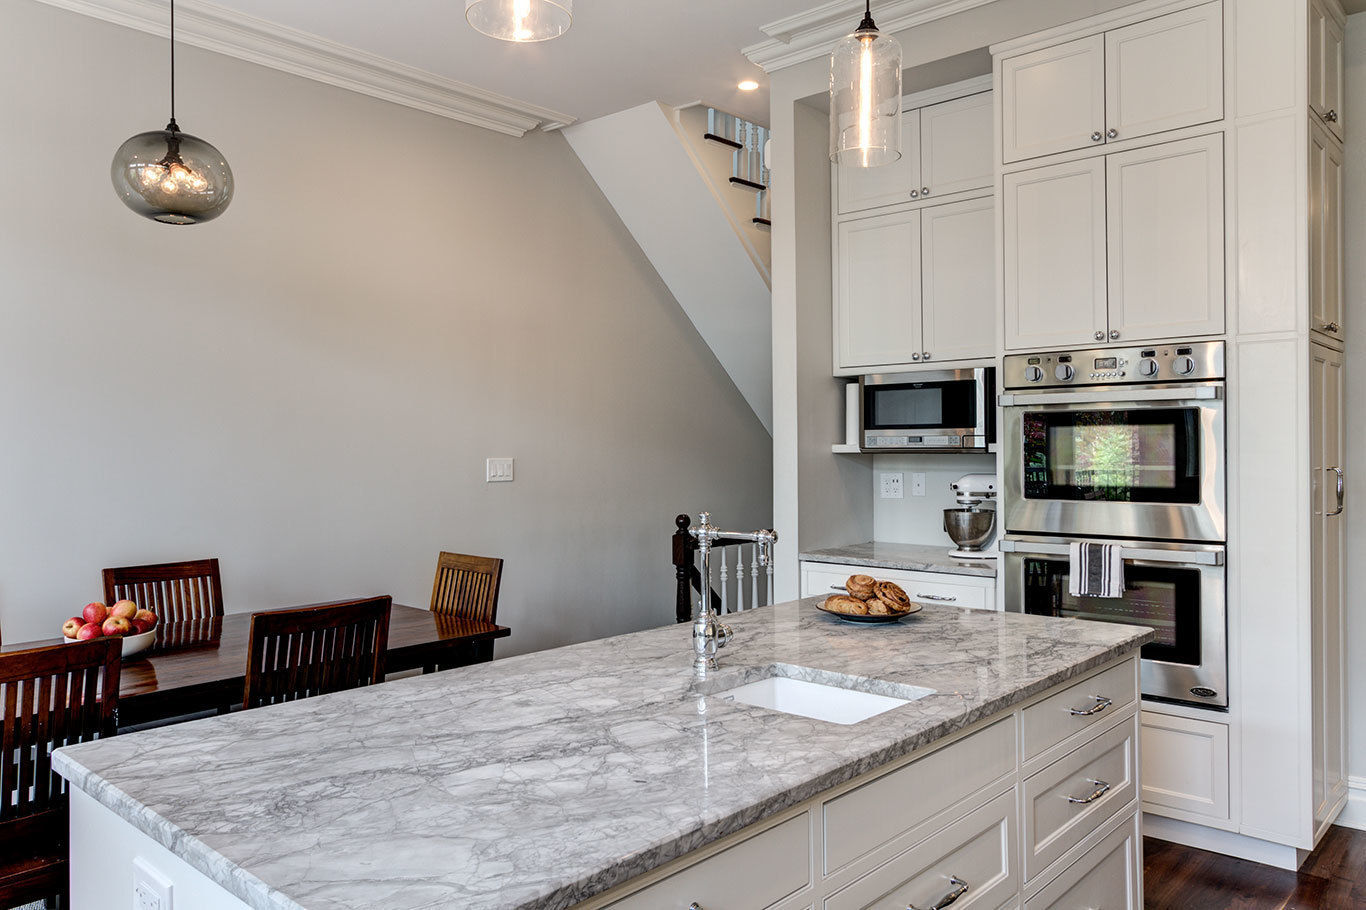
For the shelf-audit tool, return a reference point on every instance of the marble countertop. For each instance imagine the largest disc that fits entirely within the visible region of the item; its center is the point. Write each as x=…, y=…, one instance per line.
x=913, y=557
x=543, y=779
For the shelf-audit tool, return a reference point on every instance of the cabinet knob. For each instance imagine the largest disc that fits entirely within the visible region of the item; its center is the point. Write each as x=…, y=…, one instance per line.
x=1097, y=136
x=915, y=194
x=1100, y=336
x=915, y=357
x=924, y=191
x=1331, y=116
x=1332, y=327
x=1114, y=334
x=926, y=355
x=1112, y=133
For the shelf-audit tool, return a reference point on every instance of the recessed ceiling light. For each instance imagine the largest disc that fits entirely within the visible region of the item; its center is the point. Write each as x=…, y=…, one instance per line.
x=748, y=85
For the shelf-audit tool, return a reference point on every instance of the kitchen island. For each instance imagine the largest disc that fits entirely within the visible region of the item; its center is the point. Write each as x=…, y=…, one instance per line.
x=545, y=780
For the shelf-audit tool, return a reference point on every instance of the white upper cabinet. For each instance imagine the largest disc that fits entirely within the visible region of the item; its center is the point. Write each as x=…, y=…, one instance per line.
x=1055, y=255
x=1053, y=100
x=1325, y=67
x=877, y=306
x=1165, y=73
x=862, y=188
x=1325, y=236
x=955, y=145
x=958, y=284
x=1166, y=240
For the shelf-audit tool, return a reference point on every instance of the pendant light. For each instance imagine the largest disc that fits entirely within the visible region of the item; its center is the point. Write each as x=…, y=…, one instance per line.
x=865, y=97
x=170, y=176
x=520, y=20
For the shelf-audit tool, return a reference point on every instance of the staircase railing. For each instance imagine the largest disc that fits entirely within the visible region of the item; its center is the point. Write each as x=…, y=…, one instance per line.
x=749, y=169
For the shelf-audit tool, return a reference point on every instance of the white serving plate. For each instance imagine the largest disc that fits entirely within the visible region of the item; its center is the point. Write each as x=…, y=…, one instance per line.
x=132, y=644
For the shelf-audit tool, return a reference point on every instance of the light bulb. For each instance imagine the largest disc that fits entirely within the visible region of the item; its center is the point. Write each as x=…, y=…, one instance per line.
x=865, y=97
x=520, y=10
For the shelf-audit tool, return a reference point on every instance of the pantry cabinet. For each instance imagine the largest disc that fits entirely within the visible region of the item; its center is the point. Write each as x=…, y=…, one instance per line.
x=1325, y=235
x=1149, y=77
x=1124, y=247
x=1326, y=66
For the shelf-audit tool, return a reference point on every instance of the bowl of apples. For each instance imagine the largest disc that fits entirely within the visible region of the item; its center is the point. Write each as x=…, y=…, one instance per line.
x=123, y=620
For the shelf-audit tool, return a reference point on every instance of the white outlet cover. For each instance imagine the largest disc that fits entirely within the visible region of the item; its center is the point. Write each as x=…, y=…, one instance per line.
x=892, y=484
x=151, y=888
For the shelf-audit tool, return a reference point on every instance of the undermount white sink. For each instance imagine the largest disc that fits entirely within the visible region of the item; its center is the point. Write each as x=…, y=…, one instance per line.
x=819, y=701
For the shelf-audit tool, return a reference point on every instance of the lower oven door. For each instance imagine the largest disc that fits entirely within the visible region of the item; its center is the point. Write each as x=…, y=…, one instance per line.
x=1177, y=590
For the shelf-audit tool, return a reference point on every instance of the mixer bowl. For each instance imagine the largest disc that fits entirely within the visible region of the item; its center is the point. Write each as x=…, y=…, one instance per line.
x=969, y=528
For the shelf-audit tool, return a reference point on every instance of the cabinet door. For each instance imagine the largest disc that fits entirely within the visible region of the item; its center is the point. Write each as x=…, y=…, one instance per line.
x=955, y=145
x=1325, y=68
x=862, y=188
x=1053, y=100
x=877, y=310
x=958, y=280
x=1165, y=73
x=1166, y=240
x=1325, y=235
x=1055, y=255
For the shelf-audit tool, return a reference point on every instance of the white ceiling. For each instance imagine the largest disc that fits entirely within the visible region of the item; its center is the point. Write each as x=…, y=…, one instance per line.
x=619, y=53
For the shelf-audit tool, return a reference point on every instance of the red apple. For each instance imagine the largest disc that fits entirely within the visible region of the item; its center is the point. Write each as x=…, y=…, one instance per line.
x=124, y=609
x=95, y=612
x=116, y=625
x=88, y=631
x=144, y=620
x=72, y=626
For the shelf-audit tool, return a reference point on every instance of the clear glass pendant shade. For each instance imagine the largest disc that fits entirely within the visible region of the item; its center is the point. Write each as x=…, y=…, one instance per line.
x=172, y=177
x=865, y=98
x=520, y=20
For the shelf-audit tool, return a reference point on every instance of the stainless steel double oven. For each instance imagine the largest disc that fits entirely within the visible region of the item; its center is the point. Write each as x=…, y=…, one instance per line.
x=1124, y=446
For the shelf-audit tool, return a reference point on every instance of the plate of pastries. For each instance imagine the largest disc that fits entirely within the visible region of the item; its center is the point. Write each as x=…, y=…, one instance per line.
x=868, y=600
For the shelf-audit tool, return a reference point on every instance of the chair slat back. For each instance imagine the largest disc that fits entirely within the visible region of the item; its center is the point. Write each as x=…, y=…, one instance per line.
x=467, y=586
x=52, y=696
x=174, y=591
x=311, y=651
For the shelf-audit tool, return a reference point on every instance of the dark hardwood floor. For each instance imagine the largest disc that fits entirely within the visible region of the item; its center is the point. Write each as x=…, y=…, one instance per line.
x=1182, y=878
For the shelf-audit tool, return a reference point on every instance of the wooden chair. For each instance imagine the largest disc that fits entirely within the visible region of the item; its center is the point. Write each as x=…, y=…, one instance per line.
x=311, y=651
x=174, y=591
x=467, y=586
x=52, y=696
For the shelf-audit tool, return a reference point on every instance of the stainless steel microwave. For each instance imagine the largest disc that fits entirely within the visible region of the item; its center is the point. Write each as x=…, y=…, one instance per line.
x=928, y=411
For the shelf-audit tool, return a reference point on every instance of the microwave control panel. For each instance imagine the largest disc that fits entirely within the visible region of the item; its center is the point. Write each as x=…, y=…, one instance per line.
x=1197, y=361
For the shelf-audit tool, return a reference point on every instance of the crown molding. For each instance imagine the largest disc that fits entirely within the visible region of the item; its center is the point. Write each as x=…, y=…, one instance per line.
x=234, y=34
x=811, y=34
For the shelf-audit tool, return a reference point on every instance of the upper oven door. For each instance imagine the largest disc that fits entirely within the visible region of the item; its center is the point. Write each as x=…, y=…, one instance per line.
x=932, y=409
x=1143, y=463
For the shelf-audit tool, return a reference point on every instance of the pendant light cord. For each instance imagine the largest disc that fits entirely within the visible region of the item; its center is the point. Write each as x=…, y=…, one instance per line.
x=866, y=25
x=172, y=125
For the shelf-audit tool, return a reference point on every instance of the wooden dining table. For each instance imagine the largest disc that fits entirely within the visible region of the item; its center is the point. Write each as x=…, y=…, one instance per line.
x=200, y=665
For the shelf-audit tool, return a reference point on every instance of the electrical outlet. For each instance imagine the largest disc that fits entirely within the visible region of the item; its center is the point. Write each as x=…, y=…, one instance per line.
x=917, y=484
x=498, y=470
x=151, y=889
x=891, y=484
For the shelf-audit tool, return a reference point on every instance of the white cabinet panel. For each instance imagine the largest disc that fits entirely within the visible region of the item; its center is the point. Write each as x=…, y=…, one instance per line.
x=1166, y=240
x=1165, y=73
x=1325, y=68
x=877, y=308
x=1053, y=100
x=958, y=283
x=955, y=145
x=1325, y=235
x=1185, y=766
x=1088, y=704
x=973, y=591
x=1055, y=283
x=1108, y=875
x=862, y=188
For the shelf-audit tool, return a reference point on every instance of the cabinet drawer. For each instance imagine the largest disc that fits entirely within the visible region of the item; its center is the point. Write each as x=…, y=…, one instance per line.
x=754, y=874
x=1185, y=765
x=1105, y=876
x=929, y=587
x=1069, y=799
x=1059, y=716
x=977, y=851
x=871, y=815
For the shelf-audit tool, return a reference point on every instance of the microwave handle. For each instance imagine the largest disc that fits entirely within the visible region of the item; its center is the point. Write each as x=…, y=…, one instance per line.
x=1187, y=557
x=1080, y=396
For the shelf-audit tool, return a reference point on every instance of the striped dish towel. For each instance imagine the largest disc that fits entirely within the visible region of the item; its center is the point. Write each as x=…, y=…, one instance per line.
x=1095, y=570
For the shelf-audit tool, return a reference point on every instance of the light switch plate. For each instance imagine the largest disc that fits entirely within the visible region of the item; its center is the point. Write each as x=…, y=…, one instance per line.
x=917, y=484
x=892, y=484
x=498, y=470
x=151, y=888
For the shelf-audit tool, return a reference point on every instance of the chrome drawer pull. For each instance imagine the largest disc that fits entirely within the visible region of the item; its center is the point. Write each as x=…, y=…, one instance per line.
x=960, y=888
x=1101, y=704
x=839, y=588
x=946, y=598
x=694, y=906
x=1102, y=788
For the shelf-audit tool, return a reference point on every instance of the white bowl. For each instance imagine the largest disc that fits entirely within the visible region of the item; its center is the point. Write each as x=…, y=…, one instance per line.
x=132, y=644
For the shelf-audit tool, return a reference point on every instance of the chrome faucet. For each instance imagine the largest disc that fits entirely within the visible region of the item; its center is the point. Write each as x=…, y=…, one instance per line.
x=709, y=634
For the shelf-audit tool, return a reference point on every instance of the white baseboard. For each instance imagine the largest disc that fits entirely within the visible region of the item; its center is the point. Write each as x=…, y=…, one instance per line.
x=1354, y=813
x=1228, y=843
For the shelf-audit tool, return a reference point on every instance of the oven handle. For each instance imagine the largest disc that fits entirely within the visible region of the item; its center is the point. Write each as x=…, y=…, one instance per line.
x=1188, y=557
x=1118, y=396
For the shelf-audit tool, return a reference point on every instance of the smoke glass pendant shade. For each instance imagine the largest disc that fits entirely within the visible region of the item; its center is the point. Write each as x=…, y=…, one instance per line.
x=865, y=98
x=520, y=20
x=172, y=177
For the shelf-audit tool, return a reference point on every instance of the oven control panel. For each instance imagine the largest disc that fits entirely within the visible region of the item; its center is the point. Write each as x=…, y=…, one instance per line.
x=1168, y=362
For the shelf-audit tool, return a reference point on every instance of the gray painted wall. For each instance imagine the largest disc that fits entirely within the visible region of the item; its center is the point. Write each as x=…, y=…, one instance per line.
x=308, y=387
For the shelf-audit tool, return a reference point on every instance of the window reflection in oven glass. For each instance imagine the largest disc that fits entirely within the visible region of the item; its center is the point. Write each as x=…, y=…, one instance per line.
x=1138, y=455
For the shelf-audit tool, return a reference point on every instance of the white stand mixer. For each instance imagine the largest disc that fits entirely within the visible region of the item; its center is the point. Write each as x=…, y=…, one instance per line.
x=970, y=526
